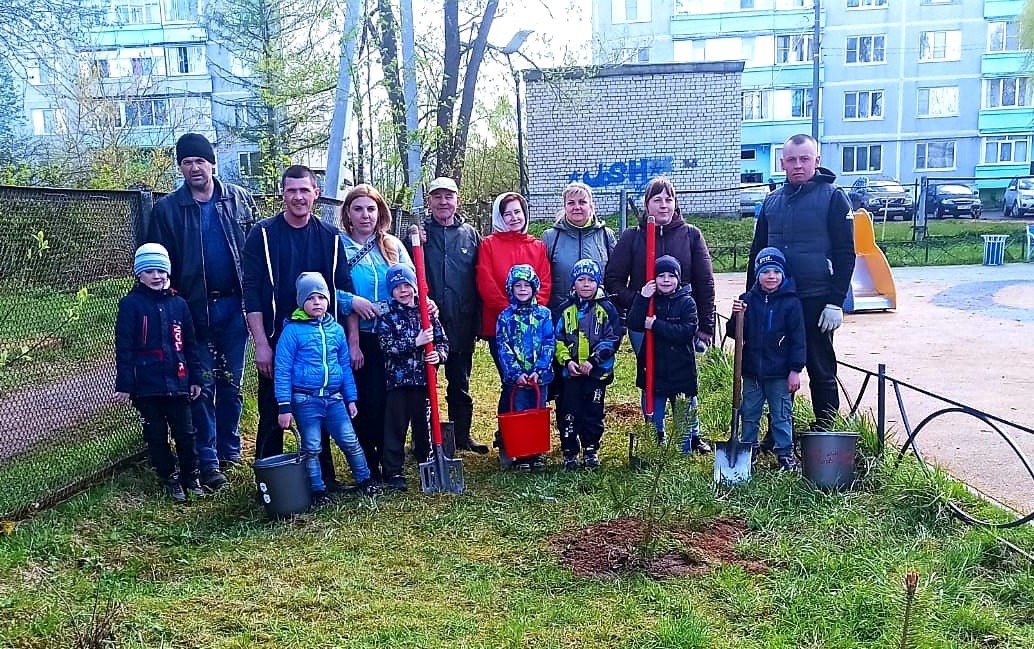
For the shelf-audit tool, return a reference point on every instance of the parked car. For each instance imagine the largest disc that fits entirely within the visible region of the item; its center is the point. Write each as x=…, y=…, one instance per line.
x=750, y=196
x=1019, y=197
x=952, y=199
x=879, y=196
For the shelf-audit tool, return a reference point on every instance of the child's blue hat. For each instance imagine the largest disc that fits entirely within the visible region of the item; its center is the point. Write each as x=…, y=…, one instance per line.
x=769, y=258
x=400, y=274
x=525, y=272
x=151, y=256
x=668, y=264
x=586, y=267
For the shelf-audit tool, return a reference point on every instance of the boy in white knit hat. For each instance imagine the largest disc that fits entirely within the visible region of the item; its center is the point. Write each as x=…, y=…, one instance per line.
x=158, y=369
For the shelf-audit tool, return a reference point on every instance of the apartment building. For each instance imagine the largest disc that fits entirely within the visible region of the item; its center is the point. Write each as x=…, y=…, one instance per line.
x=907, y=88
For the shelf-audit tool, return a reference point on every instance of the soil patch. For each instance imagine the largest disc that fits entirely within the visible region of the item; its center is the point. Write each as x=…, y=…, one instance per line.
x=613, y=548
x=625, y=411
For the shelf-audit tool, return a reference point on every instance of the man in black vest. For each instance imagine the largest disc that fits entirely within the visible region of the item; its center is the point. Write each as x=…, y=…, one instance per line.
x=810, y=220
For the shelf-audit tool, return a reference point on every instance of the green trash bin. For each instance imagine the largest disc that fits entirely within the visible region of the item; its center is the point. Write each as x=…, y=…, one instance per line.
x=994, y=249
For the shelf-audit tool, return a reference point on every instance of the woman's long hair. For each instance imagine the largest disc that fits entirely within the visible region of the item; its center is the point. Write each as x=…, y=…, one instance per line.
x=383, y=226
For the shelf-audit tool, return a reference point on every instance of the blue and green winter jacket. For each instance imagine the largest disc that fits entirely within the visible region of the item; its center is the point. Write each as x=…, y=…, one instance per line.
x=524, y=333
x=312, y=357
x=588, y=330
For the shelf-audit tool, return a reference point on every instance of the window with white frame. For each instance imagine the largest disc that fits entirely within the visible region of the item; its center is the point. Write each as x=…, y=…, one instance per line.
x=250, y=164
x=1003, y=36
x=935, y=154
x=866, y=4
x=250, y=115
x=863, y=104
x=185, y=59
x=1008, y=92
x=793, y=48
x=777, y=160
x=630, y=11
x=939, y=101
x=1006, y=149
x=147, y=112
x=181, y=10
x=39, y=73
x=801, y=103
x=137, y=12
x=940, y=46
x=747, y=4
x=866, y=49
x=48, y=121
x=722, y=49
x=755, y=105
x=862, y=158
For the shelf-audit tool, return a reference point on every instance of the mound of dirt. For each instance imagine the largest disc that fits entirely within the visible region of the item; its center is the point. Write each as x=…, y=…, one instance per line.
x=615, y=547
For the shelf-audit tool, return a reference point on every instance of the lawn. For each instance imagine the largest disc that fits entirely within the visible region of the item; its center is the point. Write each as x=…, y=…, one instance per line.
x=483, y=569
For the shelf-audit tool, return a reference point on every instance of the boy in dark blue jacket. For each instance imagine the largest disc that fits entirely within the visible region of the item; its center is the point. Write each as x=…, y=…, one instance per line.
x=313, y=383
x=774, y=352
x=158, y=368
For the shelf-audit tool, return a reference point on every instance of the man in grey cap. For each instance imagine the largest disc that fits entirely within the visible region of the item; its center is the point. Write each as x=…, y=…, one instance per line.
x=451, y=252
x=202, y=225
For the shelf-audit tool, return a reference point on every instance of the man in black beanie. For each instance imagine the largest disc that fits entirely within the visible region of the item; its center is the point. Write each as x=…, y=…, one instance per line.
x=202, y=225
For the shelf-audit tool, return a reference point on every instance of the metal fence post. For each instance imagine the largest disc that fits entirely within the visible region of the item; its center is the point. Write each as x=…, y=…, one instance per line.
x=143, y=207
x=881, y=407
x=623, y=211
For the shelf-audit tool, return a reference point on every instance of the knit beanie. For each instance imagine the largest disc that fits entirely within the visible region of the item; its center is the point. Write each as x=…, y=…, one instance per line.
x=586, y=267
x=668, y=264
x=151, y=256
x=525, y=272
x=401, y=274
x=769, y=258
x=309, y=283
x=194, y=145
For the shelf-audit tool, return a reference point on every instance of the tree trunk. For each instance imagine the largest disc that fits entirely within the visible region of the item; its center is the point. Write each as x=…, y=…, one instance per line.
x=445, y=163
x=470, y=79
x=389, y=50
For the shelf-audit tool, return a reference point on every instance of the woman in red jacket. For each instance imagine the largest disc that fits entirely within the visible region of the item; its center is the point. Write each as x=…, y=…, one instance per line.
x=508, y=245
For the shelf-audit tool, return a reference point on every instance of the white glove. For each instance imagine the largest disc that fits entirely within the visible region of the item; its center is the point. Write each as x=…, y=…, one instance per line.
x=831, y=319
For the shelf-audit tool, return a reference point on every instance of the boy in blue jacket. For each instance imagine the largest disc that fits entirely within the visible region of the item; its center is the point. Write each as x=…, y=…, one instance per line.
x=588, y=331
x=313, y=382
x=526, y=343
x=157, y=367
x=774, y=352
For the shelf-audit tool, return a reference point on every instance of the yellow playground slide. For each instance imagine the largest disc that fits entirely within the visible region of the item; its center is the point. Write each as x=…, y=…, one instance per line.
x=872, y=285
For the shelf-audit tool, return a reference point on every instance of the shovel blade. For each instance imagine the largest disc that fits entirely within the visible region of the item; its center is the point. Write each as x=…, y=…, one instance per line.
x=442, y=474
x=732, y=462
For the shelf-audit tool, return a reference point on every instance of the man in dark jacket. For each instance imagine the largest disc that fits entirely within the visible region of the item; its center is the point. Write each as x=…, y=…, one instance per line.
x=809, y=220
x=450, y=254
x=277, y=251
x=202, y=226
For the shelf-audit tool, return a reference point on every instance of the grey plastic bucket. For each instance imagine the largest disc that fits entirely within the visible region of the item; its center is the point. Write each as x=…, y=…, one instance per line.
x=827, y=459
x=283, y=484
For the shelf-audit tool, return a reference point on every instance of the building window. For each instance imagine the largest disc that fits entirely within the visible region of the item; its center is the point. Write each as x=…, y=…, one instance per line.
x=632, y=55
x=1009, y=92
x=747, y=4
x=1006, y=149
x=147, y=112
x=249, y=115
x=936, y=154
x=1003, y=36
x=863, y=104
x=777, y=160
x=793, y=48
x=866, y=49
x=755, y=105
x=748, y=154
x=801, y=103
x=179, y=11
x=630, y=11
x=940, y=46
x=141, y=66
x=250, y=164
x=39, y=73
x=866, y=4
x=186, y=59
x=862, y=158
x=941, y=101
x=48, y=121
x=137, y=12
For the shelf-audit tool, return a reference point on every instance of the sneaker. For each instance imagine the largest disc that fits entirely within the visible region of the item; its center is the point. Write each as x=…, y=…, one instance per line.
x=213, y=479
x=570, y=463
x=230, y=463
x=538, y=463
x=321, y=499
x=522, y=465
x=787, y=463
x=700, y=446
x=369, y=488
x=590, y=460
x=193, y=488
x=471, y=445
x=174, y=490
x=397, y=482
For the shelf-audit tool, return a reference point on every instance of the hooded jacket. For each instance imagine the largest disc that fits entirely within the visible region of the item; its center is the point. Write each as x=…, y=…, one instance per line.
x=404, y=364
x=525, y=337
x=626, y=272
x=156, y=351
x=499, y=252
x=566, y=244
x=674, y=364
x=812, y=224
x=312, y=356
x=588, y=330
x=773, y=332
x=451, y=255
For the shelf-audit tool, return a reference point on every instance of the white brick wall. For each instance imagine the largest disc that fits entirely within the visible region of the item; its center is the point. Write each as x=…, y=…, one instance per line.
x=617, y=127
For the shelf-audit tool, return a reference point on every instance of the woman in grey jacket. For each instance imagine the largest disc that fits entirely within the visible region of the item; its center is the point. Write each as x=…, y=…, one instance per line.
x=576, y=234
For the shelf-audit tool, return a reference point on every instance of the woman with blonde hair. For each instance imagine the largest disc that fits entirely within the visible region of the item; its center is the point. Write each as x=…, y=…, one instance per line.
x=577, y=233
x=371, y=249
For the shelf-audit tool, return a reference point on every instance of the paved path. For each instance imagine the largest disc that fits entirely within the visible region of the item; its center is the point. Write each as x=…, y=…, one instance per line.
x=963, y=332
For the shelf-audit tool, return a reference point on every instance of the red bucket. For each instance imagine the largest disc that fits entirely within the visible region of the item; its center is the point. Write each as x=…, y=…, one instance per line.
x=526, y=432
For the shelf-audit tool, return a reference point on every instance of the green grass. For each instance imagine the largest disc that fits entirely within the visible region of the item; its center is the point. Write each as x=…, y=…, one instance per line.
x=479, y=570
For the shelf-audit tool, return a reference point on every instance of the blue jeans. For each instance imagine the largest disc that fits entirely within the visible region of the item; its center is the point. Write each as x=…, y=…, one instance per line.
x=217, y=412
x=690, y=425
x=780, y=404
x=313, y=413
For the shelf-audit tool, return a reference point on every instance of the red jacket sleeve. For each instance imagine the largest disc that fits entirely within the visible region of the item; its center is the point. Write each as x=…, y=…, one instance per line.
x=491, y=286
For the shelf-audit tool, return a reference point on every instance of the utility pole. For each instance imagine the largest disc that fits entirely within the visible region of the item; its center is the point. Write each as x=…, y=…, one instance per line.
x=815, y=73
x=342, y=101
x=410, y=92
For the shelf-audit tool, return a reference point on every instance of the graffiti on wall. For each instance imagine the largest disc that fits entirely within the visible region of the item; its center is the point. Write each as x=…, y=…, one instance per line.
x=630, y=174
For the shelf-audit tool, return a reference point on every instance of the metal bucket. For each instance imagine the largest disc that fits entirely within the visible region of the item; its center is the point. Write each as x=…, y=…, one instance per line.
x=828, y=459
x=283, y=484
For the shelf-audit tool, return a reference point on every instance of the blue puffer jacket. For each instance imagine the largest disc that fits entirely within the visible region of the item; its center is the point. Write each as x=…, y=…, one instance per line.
x=312, y=356
x=773, y=332
x=588, y=330
x=524, y=333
